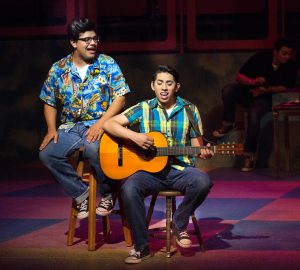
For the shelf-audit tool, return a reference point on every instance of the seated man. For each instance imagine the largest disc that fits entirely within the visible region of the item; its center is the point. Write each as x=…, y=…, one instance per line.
x=262, y=75
x=169, y=114
x=88, y=88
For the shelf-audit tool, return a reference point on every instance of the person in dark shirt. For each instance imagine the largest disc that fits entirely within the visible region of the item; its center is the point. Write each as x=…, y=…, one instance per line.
x=264, y=74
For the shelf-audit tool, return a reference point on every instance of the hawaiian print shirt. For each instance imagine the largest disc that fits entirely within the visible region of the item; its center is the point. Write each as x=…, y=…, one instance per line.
x=83, y=101
x=176, y=127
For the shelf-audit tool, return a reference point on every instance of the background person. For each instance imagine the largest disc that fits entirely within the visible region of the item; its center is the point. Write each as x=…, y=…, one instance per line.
x=259, y=78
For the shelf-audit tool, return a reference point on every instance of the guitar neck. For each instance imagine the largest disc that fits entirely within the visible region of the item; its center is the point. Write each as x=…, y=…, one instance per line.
x=179, y=150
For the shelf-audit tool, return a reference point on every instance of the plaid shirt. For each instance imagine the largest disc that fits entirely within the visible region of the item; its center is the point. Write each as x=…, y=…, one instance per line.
x=83, y=101
x=176, y=127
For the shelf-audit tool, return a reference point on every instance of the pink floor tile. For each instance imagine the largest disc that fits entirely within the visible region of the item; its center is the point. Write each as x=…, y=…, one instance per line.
x=251, y=189
x=278, y=210
x=11, y=186
x=55, y=236
x=52, y=236
x=35, y=207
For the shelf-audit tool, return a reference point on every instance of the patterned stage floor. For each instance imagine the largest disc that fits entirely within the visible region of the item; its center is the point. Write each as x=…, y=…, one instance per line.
x=247, y=218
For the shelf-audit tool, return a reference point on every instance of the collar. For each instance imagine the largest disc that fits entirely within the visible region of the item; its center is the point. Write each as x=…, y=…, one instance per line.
x=68, y=66
x=180, y=102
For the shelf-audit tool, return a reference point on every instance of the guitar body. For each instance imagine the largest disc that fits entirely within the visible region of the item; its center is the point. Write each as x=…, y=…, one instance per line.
x=119, y=159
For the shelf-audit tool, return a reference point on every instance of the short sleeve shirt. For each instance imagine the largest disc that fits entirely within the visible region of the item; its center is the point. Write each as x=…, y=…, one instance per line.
x=83, y=101
x=260, y=64
x=176, y=127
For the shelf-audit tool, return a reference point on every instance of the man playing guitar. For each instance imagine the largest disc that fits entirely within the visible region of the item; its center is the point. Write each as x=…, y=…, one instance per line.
x=167, y=113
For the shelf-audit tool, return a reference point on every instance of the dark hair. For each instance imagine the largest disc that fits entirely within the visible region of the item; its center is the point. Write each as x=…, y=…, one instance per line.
x=279, y=43
x=166, y=69
x=78, y=26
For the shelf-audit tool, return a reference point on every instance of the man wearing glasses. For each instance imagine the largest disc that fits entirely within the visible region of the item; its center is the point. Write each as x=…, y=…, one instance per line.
x=87, y=88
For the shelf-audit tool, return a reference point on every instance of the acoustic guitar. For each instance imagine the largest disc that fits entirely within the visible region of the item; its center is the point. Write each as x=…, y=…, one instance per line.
x=120, y=159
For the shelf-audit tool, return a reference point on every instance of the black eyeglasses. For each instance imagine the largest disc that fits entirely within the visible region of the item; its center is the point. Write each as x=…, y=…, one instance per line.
x=88, y=40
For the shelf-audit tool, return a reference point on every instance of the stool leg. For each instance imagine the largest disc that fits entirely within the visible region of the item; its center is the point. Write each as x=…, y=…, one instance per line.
x=106, y=228
x=198, y=232
x=150, y=210
x=72, y=223
x=276, y=143
x=173, y=211
x=125, y=225
x=168, y=225
x=287, y=143
x=92, y=213
x=73, y=214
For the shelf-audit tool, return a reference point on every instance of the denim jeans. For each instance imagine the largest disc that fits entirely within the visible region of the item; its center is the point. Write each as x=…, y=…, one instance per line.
x=193, y=183
x=56, y=158
x=257, y=108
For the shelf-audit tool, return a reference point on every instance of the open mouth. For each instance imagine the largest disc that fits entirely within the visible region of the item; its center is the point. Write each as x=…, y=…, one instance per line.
x=164, y=95
x=91, y=50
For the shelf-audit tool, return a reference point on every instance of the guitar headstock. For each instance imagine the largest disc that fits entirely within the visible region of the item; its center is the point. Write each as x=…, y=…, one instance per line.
x=229, y=149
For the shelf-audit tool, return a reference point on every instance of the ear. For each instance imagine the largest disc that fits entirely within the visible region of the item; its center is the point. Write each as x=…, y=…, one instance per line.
x=152, y=85
x=177, y=87
x=73, y=43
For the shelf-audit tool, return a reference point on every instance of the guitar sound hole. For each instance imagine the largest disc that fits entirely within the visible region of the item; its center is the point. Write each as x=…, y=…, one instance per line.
x=149, y=153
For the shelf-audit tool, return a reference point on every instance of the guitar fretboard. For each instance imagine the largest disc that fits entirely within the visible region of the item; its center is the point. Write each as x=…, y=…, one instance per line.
x=179, y=150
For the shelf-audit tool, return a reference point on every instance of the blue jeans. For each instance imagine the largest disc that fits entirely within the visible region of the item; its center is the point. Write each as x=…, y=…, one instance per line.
x=56, y=158
x=193, y=183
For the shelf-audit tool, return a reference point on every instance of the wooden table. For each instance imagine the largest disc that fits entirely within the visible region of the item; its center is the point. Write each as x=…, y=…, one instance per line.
x=285, y=109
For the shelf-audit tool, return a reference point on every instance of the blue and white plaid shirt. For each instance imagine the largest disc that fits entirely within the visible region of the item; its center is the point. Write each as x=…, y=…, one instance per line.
x=176, y=127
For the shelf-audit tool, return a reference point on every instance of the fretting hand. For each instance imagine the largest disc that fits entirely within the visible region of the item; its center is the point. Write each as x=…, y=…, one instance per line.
x=206, y=152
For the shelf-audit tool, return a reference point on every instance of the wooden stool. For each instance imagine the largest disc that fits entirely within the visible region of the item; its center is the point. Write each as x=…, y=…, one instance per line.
x=286, y=111
x=91, y=181
x=170, y=209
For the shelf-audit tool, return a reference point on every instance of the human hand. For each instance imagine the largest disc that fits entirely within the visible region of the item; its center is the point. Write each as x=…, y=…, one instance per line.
x=51, y=135
x=258, y=91
x=206, y=152
x=94, y=133
x=259, y=81
x=143, y=140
